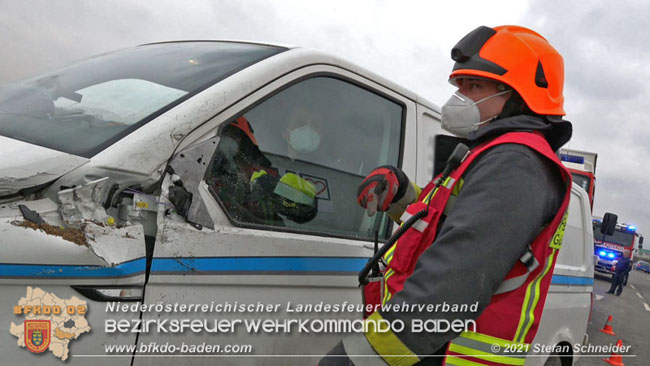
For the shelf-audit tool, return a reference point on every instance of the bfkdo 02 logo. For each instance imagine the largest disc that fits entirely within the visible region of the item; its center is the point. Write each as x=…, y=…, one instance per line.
x=50, y=323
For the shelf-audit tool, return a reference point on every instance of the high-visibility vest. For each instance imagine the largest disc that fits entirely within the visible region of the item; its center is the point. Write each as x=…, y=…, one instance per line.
x=513, y=315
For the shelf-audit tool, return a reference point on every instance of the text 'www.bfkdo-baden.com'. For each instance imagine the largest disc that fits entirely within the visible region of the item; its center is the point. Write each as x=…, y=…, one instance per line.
x=167, y=348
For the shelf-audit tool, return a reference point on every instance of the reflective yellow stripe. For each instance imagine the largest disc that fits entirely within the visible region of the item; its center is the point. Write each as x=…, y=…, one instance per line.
x=388, y=346
x=524, y=312
x=457, y=361
x=538, y=293
x=387, y=295
x=389, y=253
x=527, y=317
x=456, y=190
x=489, y=340
x=486, y=355
x=388, y=256
x=489, y=348
x=433, y=192
x=429, y=196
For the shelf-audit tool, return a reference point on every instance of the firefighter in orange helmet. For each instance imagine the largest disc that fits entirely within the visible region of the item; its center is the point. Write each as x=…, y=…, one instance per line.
x=488, y=233
x=250, y=188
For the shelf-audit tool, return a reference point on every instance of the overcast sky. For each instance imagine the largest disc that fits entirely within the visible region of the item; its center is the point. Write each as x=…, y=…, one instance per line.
x=605, y=45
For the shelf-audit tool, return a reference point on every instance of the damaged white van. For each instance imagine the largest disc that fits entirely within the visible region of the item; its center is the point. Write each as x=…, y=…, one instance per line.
x=210, y=181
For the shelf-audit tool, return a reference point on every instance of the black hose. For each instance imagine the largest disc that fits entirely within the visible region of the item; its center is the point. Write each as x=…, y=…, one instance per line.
x=363, y=275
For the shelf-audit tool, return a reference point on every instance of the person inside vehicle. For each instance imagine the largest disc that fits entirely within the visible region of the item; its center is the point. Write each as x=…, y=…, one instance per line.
x=250, y=188
x=489, y=232
x=303, y=132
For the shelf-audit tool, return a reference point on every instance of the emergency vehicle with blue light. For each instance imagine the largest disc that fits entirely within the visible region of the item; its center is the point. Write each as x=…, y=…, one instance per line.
x=609, y=248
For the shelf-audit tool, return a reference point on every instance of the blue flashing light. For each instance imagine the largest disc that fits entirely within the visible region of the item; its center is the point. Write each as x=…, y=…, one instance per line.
x=610, y=255
x=631, y=228
x=573, y=159
x=602, y=253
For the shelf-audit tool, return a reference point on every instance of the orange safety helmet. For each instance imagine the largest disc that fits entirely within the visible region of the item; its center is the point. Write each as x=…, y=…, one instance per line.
x=518, y=57
x=243, y=124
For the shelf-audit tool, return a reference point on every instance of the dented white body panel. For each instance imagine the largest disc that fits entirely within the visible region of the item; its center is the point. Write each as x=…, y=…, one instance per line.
x=25, y=165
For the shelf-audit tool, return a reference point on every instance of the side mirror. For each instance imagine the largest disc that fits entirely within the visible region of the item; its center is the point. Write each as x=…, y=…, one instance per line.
x=609, y=223
x=640, y=242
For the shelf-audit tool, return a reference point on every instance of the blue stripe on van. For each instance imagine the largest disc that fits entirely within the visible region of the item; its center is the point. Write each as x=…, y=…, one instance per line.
x=250, y=265
x=572, y=280
x=235, y=265
x=185, y=265
x=125, y=269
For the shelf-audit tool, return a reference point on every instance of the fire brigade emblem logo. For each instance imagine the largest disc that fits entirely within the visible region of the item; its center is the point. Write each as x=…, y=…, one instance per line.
x=37, y=334
x=46, y=322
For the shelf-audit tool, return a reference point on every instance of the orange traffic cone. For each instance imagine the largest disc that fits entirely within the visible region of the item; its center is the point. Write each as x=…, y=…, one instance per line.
x=608, y=328
x=615, y=359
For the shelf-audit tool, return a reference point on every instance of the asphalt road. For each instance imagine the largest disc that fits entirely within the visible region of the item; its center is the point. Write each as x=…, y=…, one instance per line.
x=631, y=320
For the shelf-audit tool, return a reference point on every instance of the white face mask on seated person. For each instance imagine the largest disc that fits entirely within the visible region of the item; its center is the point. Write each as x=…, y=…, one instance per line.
x=461, y=115
x=304, y=139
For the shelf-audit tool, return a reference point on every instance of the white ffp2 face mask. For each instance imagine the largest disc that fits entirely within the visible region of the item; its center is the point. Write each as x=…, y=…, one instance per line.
x=460, y=115
x=304, y=139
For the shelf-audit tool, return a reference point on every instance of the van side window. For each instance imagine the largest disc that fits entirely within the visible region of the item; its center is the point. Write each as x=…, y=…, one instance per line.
x=294, y=161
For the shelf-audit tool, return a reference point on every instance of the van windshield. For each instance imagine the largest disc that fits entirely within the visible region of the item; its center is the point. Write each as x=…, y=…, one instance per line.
x=86, y=107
